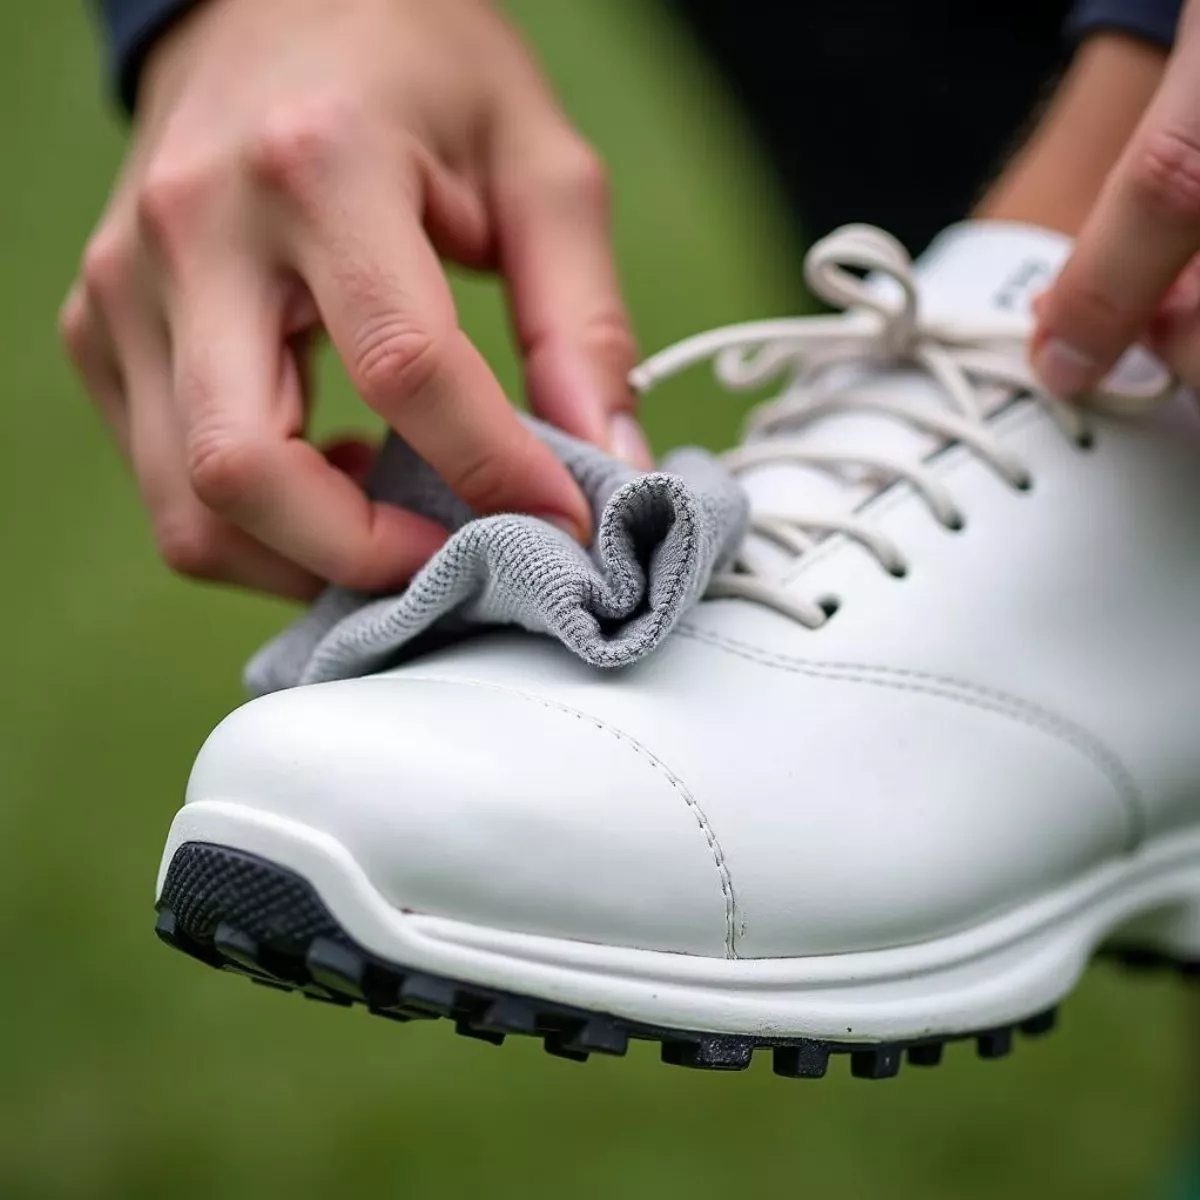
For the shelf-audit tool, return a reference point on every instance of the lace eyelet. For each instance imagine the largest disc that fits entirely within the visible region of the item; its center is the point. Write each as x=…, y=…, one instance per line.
x=1024, y=484
x=829, y=605
x=898, y=571
x=1086, y=441
x=956, y=524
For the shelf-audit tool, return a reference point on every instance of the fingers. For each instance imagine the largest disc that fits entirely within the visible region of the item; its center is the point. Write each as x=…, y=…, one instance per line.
x=1175, y=334
x=388, y=310
x=191, y=538
x=556, y=253
x=352, y=456
x=239, y=396
x=83, y=333
x=1141, y=234
x=111, y=318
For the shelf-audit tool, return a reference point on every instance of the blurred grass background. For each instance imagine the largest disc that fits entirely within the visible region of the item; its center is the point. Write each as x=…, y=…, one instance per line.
x=129, y=1072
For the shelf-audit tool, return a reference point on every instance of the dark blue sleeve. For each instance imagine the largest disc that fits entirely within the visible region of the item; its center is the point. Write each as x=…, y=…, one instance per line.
x=132, y=26
x=1154, y=20
x=130, y=29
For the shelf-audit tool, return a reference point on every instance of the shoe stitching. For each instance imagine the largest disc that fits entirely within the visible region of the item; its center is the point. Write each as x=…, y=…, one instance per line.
x=718, y=854
x=962, y=692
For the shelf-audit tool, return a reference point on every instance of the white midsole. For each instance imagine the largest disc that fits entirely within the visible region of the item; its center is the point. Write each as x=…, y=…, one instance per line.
x=992, y=974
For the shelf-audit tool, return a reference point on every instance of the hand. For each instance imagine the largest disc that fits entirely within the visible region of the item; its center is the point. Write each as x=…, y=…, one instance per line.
x=1135, y=274
x=301, y=165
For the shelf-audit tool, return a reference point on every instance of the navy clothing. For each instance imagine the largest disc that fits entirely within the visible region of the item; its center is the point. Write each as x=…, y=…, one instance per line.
x=132, y=25
x=891, y=112
x=898, y=113
x=1154, y=20
x=130, y=29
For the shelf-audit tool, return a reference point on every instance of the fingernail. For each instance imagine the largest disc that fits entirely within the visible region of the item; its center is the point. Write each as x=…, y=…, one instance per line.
x=1138, y=373
x=1065, y=370
x=627, y=441
x=1184, y=297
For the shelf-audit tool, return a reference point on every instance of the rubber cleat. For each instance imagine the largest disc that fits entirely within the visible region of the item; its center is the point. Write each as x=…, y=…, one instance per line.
x=808, y=1060
x=555, y=1046
x=995, y=1043
x=877, y=1062
x=240, y=949
x=925, y=1054
x=426, y=994
x=506, y=1016
x=598, y=1036
x=337, y=968
x=1041, y=1024
x=713, y=1053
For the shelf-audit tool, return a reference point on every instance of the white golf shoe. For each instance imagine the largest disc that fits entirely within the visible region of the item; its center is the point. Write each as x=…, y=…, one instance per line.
x=932, y=744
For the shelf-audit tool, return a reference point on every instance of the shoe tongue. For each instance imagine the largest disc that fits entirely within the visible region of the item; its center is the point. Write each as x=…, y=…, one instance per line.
x=983, y=268
x=973, y=270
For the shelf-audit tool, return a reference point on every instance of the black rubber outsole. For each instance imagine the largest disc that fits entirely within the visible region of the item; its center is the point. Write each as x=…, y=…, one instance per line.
x=239, y=912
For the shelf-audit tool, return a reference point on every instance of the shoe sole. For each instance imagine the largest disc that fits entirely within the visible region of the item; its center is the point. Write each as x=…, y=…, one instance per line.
x=232, y=903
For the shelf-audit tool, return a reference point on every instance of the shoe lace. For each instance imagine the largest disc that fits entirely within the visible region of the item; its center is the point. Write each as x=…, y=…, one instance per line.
x=963, y=358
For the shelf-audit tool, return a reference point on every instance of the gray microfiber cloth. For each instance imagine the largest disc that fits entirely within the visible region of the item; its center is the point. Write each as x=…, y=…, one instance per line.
x=659, y=538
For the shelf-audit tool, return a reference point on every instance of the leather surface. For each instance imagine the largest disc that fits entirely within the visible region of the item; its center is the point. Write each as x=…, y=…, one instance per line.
x=483, y=805
x=1017, y=708
x=1022, y=706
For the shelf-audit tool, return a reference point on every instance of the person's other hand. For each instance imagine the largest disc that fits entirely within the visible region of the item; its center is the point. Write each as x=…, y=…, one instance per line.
x=301, y=165
x=1134, y=274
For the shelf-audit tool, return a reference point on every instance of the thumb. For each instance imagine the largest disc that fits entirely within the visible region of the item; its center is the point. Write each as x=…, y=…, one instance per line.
x=1140, y=236
x=1175, y=334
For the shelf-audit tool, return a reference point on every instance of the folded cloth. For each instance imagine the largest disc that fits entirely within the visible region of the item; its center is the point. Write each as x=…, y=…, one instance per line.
x=659, y=538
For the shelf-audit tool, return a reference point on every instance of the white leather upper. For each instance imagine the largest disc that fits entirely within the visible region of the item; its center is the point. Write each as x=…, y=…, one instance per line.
x=1017, y=709
x=473, y=801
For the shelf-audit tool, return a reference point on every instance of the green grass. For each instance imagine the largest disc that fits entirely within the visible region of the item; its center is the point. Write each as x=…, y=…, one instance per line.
x=128, y=1072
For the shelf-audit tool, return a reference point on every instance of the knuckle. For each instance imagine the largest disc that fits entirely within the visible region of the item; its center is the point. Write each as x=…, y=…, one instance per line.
x=396, y=359
x=72, y=325
x=578, y=176
x=609, y=337
x=189, y=544
x=1084, y=301
x=194, y=388
x=1166, y=174
x=107, y=261
x=484, y=481
x=297, y=141
x=172, y=196
x=224, y=470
